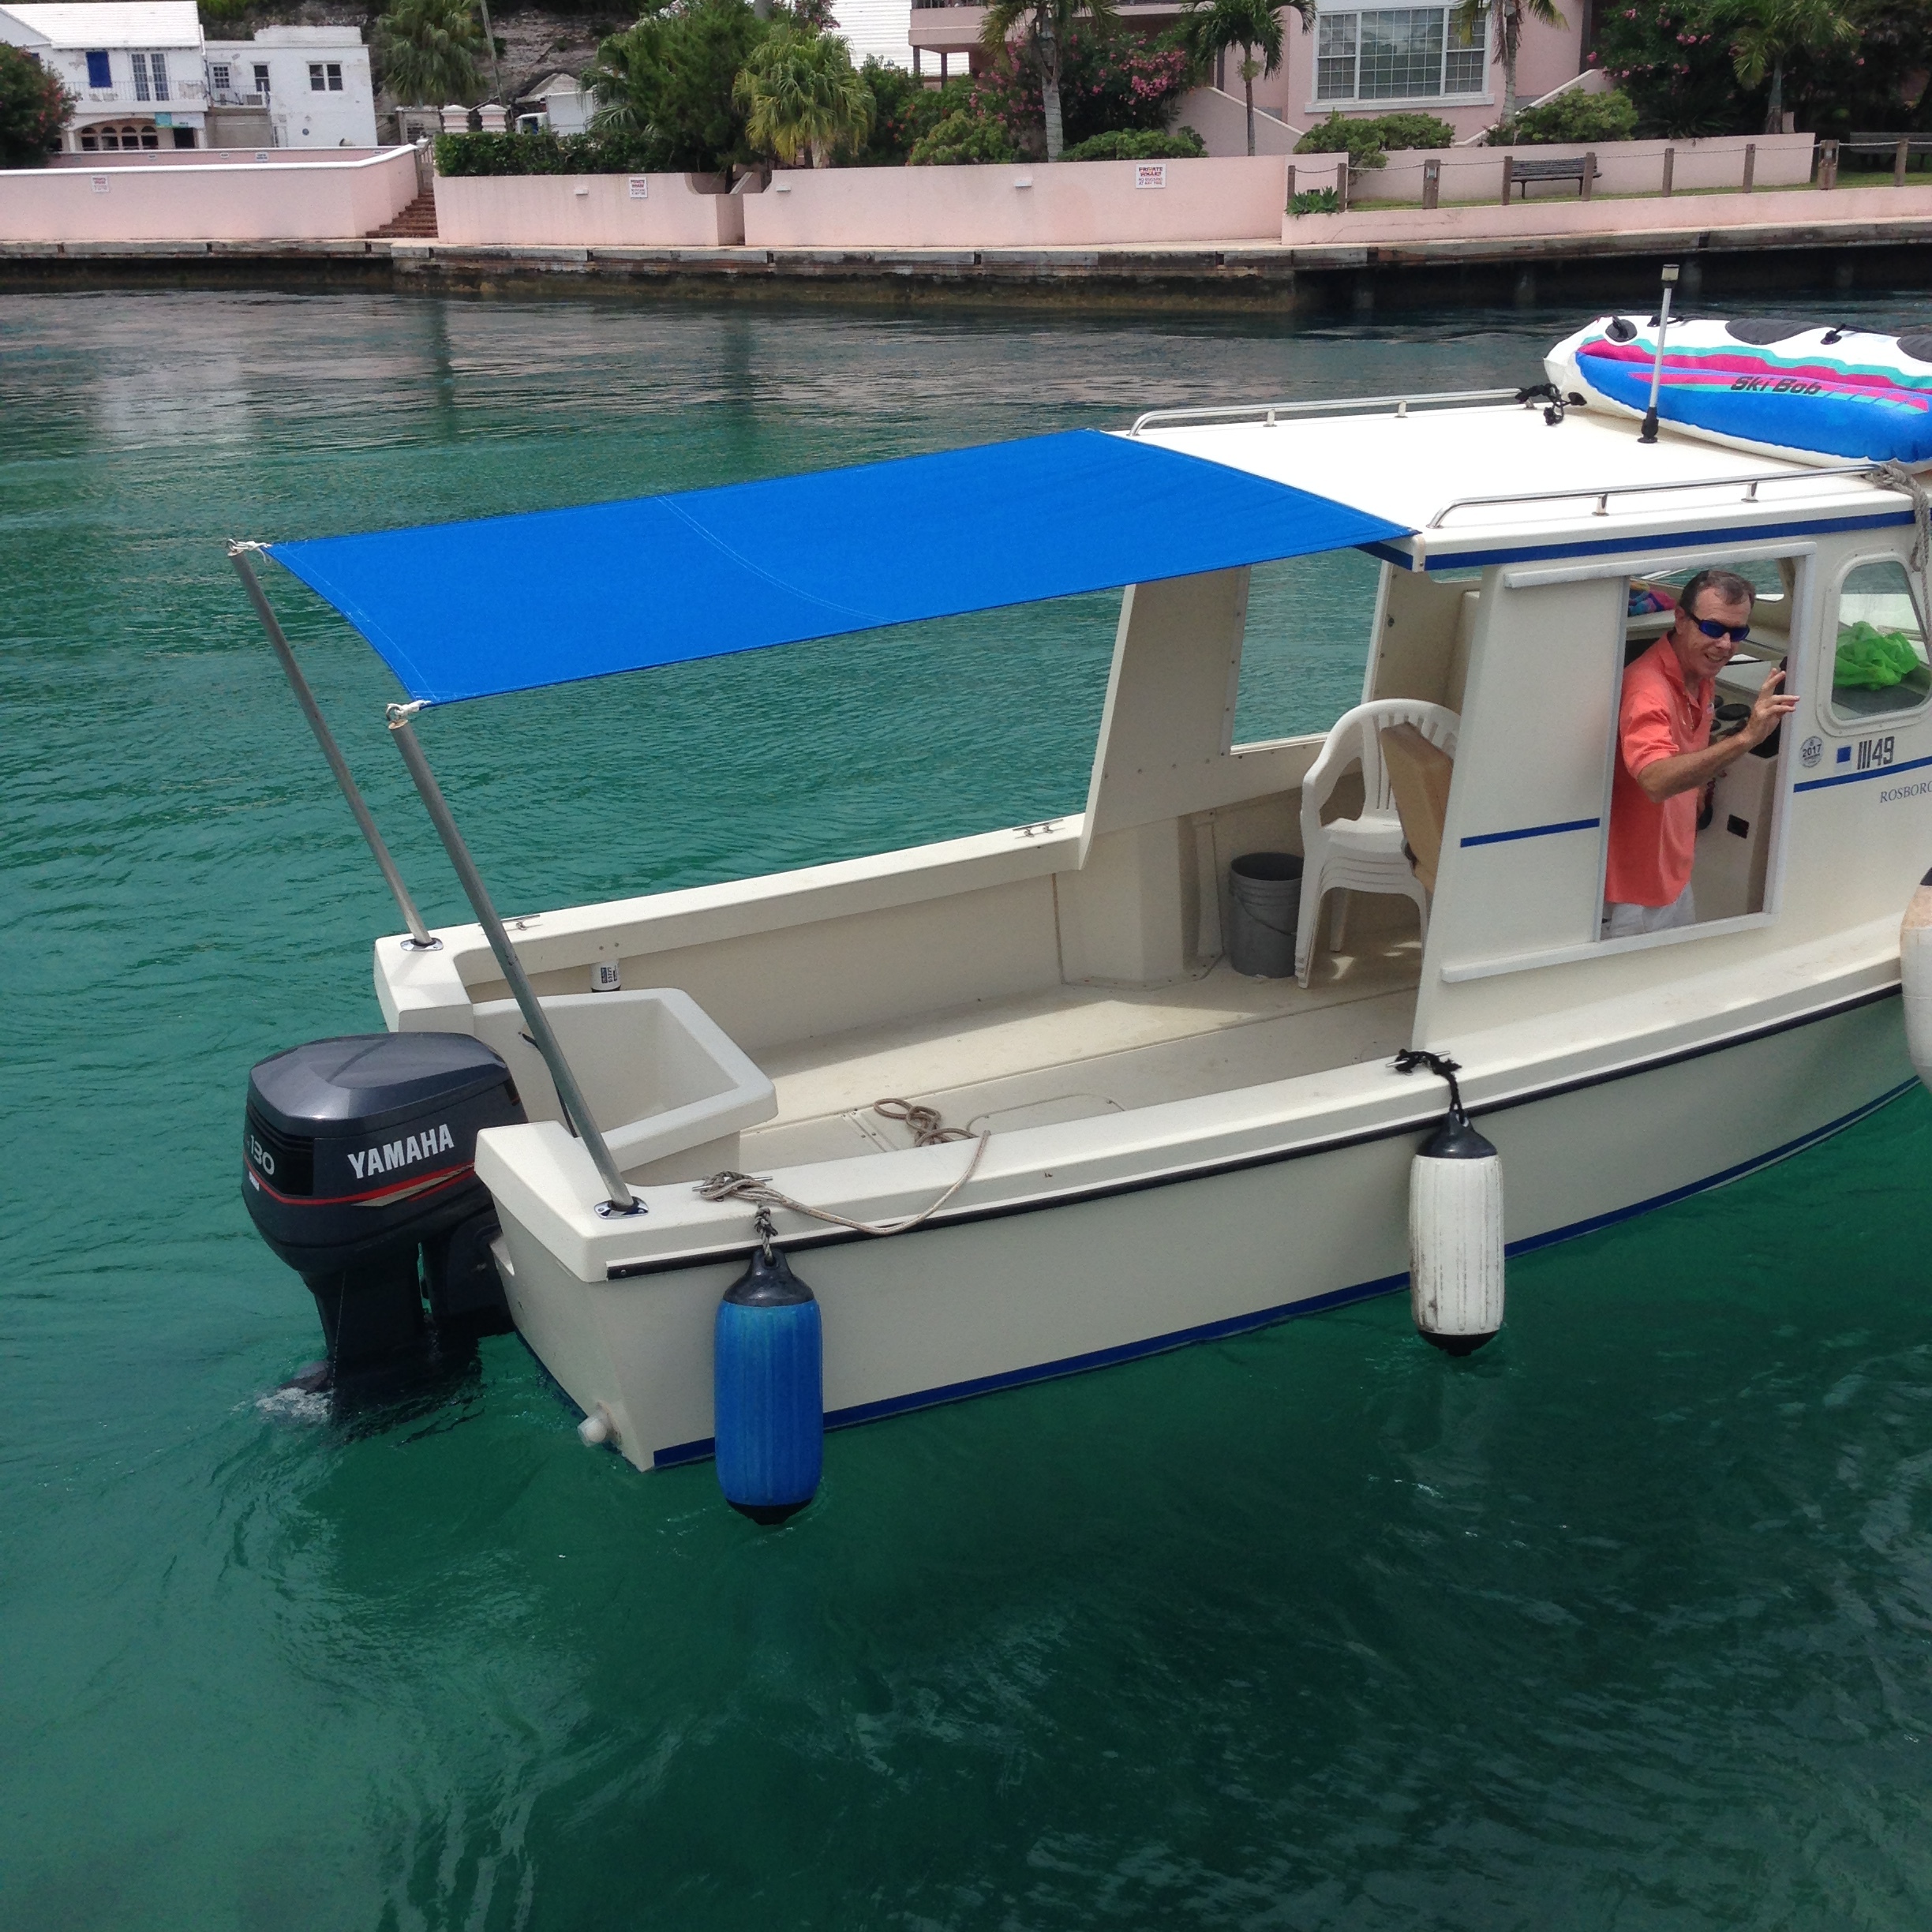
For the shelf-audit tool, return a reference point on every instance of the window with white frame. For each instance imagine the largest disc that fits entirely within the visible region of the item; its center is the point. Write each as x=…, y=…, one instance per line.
x=141, y=77
x=1400, y=54
x=261, y=79
x=220, y=77
x=325, y=77
x=157, y=65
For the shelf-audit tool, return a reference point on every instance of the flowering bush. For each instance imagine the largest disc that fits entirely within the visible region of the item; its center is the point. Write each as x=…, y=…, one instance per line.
x=1672, y=61
x=34, y=108
x=1108, y=82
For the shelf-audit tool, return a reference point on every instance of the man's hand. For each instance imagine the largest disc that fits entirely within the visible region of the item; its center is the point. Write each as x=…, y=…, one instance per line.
x=1772, y=707
x=1665, y=777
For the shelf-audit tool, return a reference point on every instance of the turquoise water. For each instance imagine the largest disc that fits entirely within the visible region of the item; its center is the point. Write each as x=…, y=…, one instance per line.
x=1625, y=1623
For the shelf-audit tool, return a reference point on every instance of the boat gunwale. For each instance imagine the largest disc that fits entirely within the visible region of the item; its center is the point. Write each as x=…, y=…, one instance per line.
x=1236, y=1163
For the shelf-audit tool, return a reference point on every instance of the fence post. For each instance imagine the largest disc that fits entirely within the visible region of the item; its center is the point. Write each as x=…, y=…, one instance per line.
x=1750, y=167
x=1342, y=185
x=1509, y=176
x=1589, y=176
x=1900, y=162
x=1431, y=184
x=1289, y=204
x=1670, y=169
x=1827, y=164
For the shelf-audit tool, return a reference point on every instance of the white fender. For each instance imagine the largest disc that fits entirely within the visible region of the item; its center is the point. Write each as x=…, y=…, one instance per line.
x=1915, y=977
x=1455, y=1238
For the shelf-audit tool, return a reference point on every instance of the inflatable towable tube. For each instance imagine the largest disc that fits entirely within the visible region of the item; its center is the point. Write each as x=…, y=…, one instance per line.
x=1810, y=393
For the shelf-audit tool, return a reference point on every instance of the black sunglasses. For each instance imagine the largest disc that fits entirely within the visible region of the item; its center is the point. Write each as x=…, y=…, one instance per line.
x=1711, y=628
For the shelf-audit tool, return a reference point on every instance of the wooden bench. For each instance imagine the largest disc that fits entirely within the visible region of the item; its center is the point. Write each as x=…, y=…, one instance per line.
x=1582, y=169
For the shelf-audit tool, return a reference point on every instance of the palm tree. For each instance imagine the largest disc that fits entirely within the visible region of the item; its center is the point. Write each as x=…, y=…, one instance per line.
x=1511, y=16
x=1769, y=34
x=428, y=51
x=1209, y=28
x=1048, y=22
x=802, y=95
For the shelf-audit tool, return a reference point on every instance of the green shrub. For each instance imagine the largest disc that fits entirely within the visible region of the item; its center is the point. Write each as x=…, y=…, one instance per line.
x=1358, y=140
x=1139, y=144
x=615, y=153
x=900, y=113
x=963, y=137
x=1571, y=117
x=1367, y=143
x=1316, y=201
x=1412, y=130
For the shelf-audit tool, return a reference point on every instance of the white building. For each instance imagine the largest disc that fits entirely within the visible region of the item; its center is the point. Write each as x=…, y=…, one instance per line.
x=880, y=29
x=557, y=102
x=313, y=82
x=132, y=66
x=143, y=79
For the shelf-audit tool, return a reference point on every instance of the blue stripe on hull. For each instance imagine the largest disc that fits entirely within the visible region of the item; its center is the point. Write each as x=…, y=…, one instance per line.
x=1314, y=1305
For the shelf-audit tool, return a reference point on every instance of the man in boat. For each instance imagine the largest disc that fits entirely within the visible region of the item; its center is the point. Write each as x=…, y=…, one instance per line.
x=1665, y=758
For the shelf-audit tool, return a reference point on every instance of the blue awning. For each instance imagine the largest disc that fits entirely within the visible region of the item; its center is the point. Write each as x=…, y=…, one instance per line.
x=505, y=603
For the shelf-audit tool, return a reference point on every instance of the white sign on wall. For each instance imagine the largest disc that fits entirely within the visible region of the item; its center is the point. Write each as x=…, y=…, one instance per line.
x=100, y=183
x=640, y=188
x=1151, y=174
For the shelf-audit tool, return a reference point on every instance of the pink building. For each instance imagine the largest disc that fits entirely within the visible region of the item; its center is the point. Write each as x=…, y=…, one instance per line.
x=1356, y=60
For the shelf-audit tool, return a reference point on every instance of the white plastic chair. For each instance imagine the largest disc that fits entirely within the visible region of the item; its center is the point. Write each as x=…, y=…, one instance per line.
x=1363, y=854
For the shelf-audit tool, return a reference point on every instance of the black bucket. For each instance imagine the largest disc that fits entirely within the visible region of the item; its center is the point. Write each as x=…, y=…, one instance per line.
x=1267, y=890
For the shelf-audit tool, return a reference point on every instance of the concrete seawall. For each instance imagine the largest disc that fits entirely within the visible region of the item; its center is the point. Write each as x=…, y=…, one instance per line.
x=1816, y=256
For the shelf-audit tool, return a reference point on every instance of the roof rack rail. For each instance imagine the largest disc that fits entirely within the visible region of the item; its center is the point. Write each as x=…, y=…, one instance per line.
x=1268, y=412
x=1749, y=479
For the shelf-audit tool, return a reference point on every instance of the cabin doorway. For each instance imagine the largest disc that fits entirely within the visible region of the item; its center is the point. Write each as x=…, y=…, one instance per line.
x=1738, y=811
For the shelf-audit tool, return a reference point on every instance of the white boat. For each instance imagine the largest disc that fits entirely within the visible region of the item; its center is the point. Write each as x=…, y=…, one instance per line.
x=1162, y=1149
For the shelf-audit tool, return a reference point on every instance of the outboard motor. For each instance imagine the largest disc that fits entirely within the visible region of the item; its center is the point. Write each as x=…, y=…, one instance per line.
x=357, y=1157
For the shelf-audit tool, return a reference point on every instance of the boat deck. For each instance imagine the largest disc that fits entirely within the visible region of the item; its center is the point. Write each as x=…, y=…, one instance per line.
x=1073, y=1052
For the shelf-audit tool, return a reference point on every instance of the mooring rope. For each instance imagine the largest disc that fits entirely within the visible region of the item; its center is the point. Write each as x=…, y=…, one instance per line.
x=1895, y=475
x=928, y=1130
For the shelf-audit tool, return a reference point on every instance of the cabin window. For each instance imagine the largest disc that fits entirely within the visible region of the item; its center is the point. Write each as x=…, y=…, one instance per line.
x=1879, y=660
x=1310, y=624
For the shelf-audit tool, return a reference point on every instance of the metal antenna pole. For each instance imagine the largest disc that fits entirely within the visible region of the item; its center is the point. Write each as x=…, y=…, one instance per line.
x=419, y=934
x=622, y=1200
x=1650, y=432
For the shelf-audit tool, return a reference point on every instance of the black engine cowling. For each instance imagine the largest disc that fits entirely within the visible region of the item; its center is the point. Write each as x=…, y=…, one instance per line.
x=358, y=1158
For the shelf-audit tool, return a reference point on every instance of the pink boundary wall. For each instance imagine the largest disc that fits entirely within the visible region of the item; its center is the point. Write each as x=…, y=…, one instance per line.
x=1062, y=204
x=1369, y=227
x=594, y=210
x=290, y=201
x=210, y=157
x=1632, y=168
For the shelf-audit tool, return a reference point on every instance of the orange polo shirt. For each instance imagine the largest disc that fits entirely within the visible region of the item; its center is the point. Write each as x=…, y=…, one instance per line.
x=1653, y=846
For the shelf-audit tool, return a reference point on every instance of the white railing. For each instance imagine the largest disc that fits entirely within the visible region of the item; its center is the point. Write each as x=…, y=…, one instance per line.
x=1268, y=412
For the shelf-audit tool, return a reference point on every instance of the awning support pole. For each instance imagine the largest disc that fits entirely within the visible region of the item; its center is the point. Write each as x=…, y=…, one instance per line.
x=622, y=1200
x=419, y=938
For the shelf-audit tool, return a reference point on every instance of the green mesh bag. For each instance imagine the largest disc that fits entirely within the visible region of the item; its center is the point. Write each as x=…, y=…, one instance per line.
x=1872, y=659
